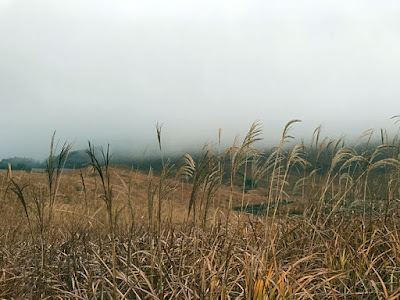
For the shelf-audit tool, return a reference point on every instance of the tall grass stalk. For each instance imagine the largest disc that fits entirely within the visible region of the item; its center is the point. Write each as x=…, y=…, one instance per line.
x=54, y=169
x=103, y=170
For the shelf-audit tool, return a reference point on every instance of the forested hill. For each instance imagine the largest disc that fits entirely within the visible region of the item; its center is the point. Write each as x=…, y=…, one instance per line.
x=21, y=163
x=320, y=159
x=80, y=159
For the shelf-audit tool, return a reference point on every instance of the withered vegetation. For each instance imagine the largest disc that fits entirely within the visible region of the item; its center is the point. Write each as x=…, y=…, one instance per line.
x=325, y=224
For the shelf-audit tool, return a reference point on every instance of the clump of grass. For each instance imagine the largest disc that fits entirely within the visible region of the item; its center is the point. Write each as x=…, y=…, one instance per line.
x=205, y=179
x=103, y=170
x=239, y=156
x=54, y=168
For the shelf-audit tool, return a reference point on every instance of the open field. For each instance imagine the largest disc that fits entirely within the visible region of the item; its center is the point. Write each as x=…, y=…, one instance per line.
x=327, y=225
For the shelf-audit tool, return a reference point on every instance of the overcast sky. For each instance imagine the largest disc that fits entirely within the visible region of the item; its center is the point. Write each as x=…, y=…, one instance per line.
x=108, y=70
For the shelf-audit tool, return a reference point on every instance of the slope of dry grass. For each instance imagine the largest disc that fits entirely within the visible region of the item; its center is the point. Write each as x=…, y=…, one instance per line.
x=175, y=236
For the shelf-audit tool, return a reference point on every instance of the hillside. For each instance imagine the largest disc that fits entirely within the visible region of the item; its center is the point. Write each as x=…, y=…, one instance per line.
x=237, y=224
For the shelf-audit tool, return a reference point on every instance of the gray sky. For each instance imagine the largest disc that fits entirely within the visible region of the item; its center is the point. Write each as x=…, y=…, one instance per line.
x=108, y=70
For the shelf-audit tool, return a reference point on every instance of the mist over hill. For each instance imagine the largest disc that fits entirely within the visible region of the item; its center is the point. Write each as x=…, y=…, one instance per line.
x=125, y=159
x=21, y=163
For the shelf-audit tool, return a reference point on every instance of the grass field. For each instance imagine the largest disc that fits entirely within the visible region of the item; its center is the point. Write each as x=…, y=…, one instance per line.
x=329, y=227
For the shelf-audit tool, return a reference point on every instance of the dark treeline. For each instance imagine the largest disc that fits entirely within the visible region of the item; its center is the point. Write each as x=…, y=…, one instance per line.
x=21, y=163
x=318, y=159
x=79, y=159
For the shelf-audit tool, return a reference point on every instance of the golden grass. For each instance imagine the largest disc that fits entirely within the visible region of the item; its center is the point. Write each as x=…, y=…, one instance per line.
x=133, y=235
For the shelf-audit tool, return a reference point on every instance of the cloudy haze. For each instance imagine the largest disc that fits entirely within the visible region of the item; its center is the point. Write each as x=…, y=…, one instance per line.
x=108, y=70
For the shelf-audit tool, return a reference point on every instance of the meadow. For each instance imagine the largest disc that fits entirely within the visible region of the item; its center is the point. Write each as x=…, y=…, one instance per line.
x=316, y=220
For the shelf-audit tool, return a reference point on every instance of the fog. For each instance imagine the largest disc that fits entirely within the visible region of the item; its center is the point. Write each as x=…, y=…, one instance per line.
x=107, y=71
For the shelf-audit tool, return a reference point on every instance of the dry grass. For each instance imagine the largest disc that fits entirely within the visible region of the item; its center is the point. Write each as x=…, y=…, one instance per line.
x=110, y=233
